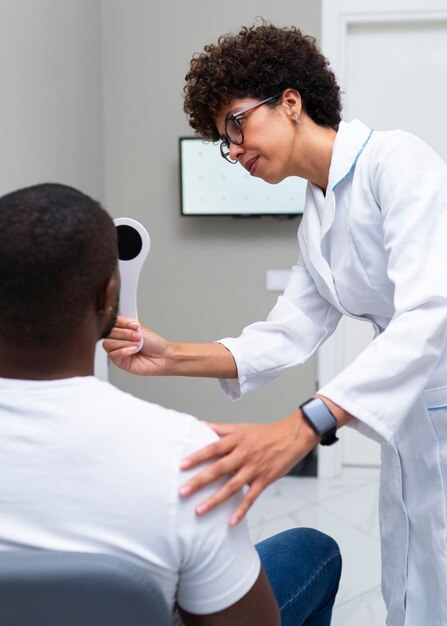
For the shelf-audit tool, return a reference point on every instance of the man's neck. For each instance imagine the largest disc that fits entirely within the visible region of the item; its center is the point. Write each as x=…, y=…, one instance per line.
x=45, y=363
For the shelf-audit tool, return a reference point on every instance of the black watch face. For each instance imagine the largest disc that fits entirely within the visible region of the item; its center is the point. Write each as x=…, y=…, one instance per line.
x=320, y=418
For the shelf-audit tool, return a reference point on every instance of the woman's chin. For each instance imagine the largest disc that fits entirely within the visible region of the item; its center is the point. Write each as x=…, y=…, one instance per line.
x=272, y=179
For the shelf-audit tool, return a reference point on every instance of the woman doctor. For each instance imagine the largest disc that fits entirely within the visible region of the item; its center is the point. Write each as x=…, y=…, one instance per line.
x=373, y=245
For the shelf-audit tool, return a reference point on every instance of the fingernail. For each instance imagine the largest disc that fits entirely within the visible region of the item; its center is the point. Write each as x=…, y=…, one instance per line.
x=185, y=490
x=132, y=349
x=234, y=520
x=137, y=336
x=201, y=508
x=185, y=464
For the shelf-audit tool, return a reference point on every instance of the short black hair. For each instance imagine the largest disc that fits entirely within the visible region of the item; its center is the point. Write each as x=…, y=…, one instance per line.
x=260, y=61
x=58, y=246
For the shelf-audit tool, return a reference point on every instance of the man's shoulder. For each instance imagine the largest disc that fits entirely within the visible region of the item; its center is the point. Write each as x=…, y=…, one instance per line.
x=149, y=416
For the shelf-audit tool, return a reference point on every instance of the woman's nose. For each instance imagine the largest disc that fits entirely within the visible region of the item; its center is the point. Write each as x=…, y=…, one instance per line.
x=236, y=151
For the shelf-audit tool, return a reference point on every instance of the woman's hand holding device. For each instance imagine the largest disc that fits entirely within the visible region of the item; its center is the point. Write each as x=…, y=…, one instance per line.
x=159, y=357
x=122, y=346
x=125, y=342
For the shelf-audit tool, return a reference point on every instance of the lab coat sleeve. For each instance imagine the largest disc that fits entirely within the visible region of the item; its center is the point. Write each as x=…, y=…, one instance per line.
x=409, y=182
x=299, y=322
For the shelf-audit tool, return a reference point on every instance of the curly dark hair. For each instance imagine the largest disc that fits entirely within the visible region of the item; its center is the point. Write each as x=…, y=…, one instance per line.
x=259, y=62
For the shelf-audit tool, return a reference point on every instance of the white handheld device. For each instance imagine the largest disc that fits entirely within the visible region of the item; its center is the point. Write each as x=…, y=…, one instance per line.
x=133, y=247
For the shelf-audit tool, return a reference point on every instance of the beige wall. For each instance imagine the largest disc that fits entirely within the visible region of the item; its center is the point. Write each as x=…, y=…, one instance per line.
x=204, y=277
x=50, y=122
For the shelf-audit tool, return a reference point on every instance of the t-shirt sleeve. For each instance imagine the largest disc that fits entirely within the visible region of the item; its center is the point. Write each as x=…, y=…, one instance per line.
x=218, y=563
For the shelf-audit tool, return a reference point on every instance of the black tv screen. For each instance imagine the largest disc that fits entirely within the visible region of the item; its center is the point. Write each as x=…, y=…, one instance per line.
x=209, y=185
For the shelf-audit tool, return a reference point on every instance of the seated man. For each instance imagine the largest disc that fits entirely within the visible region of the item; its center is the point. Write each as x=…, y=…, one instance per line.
x=87, y=467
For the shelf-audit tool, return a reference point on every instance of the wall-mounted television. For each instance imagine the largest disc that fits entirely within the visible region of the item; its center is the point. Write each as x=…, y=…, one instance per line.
x=209, y=185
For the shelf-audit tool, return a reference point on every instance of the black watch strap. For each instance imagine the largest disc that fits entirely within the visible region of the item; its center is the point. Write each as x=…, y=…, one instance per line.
x=321, y=419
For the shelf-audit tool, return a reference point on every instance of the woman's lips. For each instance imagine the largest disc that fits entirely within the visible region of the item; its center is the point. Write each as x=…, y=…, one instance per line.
x=251, y=165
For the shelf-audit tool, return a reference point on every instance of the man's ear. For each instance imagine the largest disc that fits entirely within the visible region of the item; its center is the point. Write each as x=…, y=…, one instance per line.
x=107, y=296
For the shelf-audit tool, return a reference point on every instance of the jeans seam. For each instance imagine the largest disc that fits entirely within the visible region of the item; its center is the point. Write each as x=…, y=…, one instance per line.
x=310, y=580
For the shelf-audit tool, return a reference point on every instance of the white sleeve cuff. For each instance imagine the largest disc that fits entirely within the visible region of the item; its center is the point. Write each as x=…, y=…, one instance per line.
x=370, y=425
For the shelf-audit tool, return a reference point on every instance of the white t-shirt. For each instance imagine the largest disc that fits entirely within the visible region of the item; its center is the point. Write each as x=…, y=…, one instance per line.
x=87, y=467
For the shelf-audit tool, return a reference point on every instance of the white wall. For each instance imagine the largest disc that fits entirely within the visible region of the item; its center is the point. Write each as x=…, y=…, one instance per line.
x=50, y=121
x=204, y=277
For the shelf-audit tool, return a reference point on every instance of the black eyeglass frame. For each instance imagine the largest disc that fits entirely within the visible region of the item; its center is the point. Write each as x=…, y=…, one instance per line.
x=233, y=117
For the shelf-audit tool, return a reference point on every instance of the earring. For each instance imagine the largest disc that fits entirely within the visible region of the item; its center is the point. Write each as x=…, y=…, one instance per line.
x=296, y=118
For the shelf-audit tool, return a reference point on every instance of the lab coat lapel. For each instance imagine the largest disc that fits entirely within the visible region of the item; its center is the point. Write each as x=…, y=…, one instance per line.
x=318, y=217
x=320, y=214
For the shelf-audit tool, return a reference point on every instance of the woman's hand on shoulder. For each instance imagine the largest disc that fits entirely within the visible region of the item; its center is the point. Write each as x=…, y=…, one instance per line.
x=122, y=344
x=252, y=455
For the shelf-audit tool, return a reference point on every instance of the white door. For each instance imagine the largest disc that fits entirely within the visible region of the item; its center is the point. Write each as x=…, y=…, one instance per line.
x=390, y=58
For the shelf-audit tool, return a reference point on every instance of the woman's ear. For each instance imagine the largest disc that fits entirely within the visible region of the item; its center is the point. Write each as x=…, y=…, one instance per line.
x=291, y=99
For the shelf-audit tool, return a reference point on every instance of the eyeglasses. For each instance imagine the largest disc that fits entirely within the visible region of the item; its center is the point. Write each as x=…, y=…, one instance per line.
x=233, y=130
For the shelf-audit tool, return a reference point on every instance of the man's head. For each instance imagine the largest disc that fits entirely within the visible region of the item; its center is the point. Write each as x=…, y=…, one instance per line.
x=58, y=252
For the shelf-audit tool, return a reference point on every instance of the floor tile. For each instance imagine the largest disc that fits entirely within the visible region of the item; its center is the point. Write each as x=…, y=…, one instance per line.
x=364, y=473
x=293, y=493
x=360, y=553
x=282, y=497
x=318, y=490
x=367, y=610
x=358, y=507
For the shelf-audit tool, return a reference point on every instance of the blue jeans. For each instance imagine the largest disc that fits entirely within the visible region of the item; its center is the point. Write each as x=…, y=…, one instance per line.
x=304, y=567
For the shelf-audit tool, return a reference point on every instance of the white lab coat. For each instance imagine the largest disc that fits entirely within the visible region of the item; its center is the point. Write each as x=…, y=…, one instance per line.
x=375, y=248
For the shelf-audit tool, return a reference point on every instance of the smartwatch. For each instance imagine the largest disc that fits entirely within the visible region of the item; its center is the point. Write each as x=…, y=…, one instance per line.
x=321, y=419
